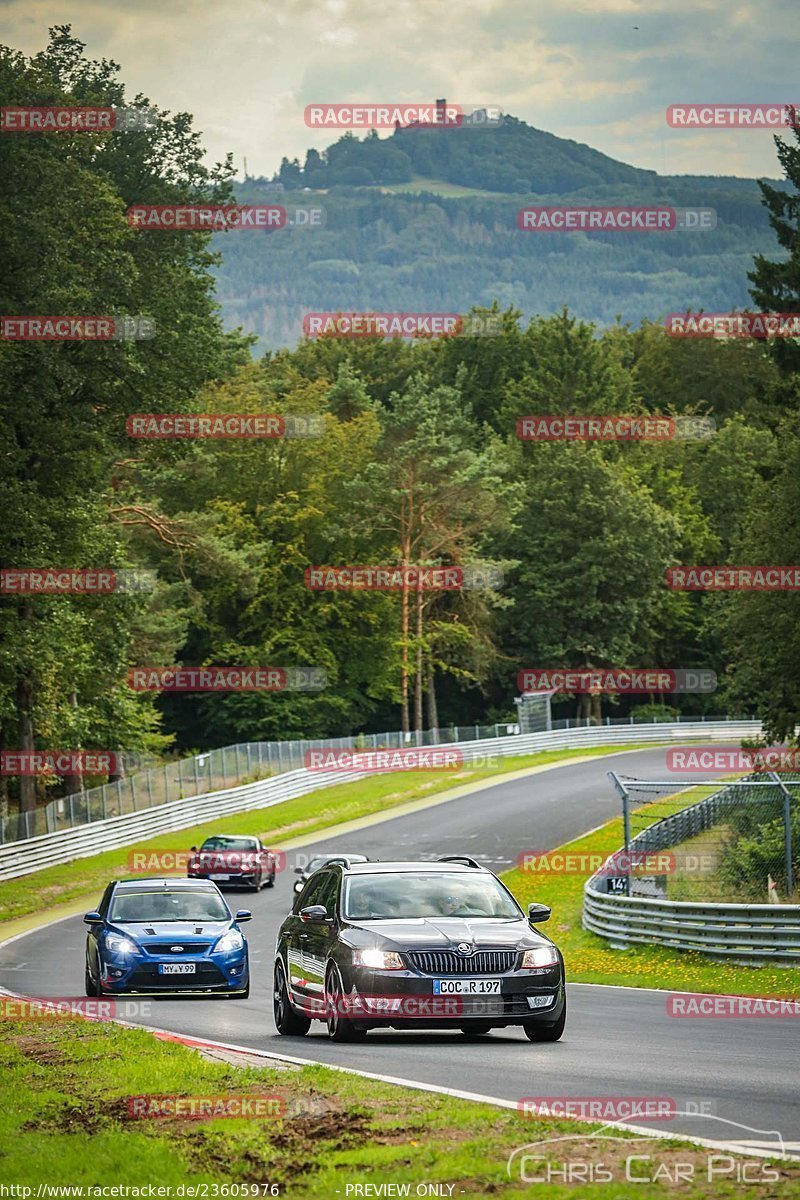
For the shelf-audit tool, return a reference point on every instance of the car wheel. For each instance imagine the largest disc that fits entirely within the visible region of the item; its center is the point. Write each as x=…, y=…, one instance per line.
x=89, y=985
x=255, y=886
x=537, y=1031
x=288, y=1020
x=340, y=1029
x=98, y=987
x=271, y=880
x=479, y=1029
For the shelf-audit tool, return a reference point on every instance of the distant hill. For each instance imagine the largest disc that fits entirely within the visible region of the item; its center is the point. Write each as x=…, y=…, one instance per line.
x=426, y=220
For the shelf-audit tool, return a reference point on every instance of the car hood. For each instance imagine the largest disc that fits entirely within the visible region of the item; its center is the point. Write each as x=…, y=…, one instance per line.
x=444, y=933
x=176, y=931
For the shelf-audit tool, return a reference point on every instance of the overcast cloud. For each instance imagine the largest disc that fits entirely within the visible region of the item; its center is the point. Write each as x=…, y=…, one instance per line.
x=598, y=71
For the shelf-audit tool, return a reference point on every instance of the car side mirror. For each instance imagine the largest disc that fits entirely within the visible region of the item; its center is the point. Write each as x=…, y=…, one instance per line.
x=315, y=913
x=194, y=849
x=243, y=914
x=92, y=918
x=299, y=870
x=538, y=912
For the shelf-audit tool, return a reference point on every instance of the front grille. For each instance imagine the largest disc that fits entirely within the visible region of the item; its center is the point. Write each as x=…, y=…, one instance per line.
x=147, y=978
x=447, y=962
x=165, y=948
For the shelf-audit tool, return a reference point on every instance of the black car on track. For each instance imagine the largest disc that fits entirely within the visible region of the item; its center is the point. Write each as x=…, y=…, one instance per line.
x=322, y=860
x=410, y=945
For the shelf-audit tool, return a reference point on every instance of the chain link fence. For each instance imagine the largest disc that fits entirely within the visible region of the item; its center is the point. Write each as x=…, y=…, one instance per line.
x=733, y=843
x=250, y=761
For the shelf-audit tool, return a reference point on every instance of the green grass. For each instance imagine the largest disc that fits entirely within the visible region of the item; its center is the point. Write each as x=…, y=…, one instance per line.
x=64, y=1121
x=440, y=187
x=309, y=814
x=590, y=959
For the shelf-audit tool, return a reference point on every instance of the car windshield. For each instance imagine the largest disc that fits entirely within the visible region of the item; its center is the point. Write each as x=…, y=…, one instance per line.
x=397, y=897
x=152, y=907
x=229, y=843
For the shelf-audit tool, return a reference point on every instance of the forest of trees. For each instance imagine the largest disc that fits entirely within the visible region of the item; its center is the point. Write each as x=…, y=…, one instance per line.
x=419, y=462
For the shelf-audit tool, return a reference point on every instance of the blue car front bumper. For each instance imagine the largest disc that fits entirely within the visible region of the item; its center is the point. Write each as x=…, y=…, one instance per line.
x=142, y=973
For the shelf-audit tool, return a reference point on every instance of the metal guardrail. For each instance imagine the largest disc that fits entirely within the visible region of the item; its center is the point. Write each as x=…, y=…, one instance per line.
x=34, y=854
x=230, y=766
x=751, y=933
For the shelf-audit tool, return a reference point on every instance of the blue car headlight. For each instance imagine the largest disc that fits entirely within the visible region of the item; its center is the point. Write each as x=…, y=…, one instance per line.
x=120, y=945
x=229, y=942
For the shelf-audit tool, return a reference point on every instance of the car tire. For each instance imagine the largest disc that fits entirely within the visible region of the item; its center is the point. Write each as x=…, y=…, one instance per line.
x=479, y=1029
x=340, y=1029
x=89, y=985
x=288, y=1021
x=271, y=881
x=538, y=1031
x=98, y=987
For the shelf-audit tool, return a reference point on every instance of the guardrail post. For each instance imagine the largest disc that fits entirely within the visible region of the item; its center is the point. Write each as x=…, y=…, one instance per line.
x=149, y=790
x=626, y=824
x=787, y=831
x=236, y=767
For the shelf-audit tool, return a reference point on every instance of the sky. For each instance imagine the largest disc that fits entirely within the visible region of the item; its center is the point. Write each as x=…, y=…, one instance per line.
x=600, y=72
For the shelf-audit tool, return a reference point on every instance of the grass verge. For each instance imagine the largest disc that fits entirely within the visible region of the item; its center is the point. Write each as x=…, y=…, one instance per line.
x=85, y=878
x=64, y=1121
x=590, y=959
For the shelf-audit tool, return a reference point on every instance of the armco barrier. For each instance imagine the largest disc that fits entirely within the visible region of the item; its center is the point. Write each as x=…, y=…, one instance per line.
x=751, y=933
x=755, y=933
x=34, y=854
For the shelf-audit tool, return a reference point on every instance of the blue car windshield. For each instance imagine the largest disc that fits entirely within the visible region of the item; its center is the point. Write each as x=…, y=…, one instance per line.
x=403, y=896
x=183, y=905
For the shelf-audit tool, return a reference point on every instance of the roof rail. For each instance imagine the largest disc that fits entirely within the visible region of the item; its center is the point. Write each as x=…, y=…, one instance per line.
x=463, y=858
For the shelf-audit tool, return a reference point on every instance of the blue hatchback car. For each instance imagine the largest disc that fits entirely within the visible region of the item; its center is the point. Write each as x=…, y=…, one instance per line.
x=166, y=935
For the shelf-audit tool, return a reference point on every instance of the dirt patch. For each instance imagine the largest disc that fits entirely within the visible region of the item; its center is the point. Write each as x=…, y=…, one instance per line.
x=41, y=1050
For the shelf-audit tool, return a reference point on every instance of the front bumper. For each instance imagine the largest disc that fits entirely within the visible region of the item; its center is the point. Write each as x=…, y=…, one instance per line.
x=226, y=878
x=406, y=1000
x=212, y=973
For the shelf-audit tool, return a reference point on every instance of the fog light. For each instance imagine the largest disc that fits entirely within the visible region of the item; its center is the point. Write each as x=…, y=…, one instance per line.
x=236, y=970
x=540, y=1001
x=115, y=973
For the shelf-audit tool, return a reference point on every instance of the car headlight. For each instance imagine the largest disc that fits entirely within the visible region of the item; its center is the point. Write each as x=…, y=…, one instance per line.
x=381, y=960
x=542, y=956
x=230, y=941
x=118, y=944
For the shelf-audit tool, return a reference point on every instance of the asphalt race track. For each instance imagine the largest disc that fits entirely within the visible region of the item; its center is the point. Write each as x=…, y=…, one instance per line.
x=618, y=1042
